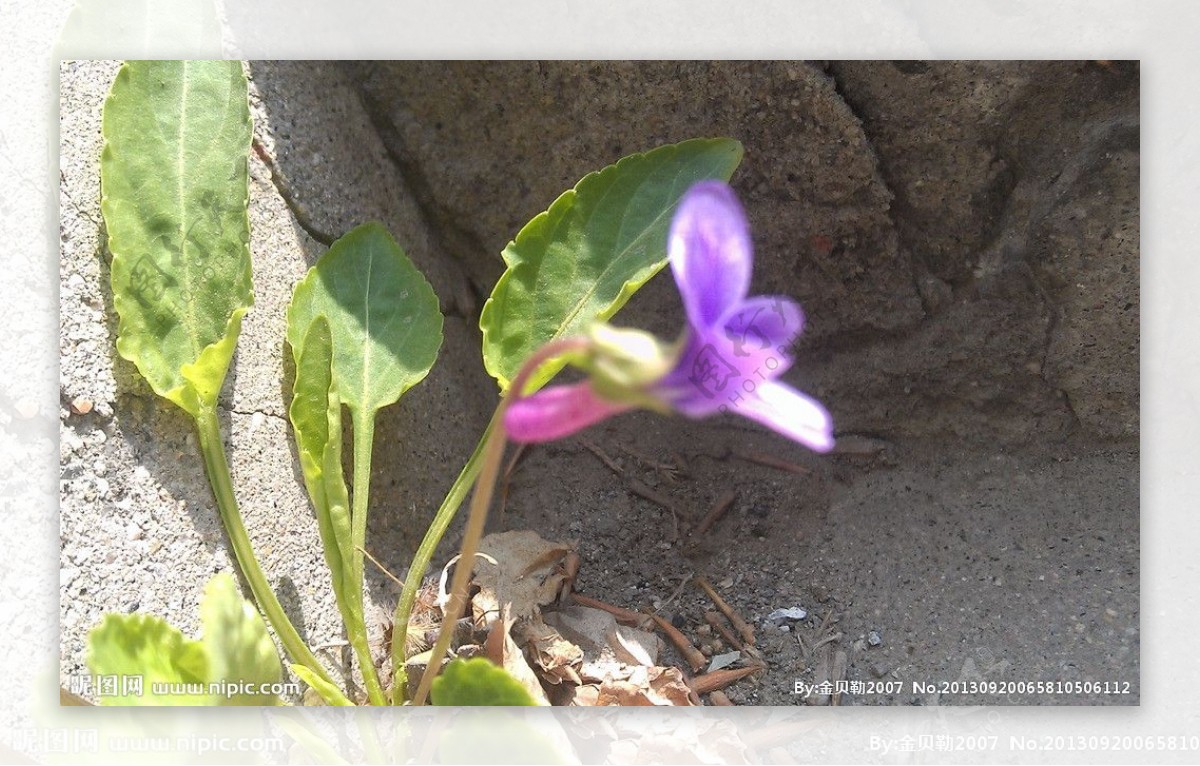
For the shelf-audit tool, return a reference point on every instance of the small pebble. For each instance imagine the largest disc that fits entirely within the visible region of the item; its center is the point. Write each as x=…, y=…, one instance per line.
x=723, y=661
x=874, y=639
x=81, y=405
x=780, y=616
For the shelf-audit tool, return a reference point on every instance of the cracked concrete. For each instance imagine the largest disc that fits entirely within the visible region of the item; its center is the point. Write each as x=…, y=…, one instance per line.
x=963, y=237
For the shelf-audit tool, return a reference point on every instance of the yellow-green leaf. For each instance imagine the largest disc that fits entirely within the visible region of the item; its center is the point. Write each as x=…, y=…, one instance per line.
x=174, y=199
x=477, y=682
x=240, y=651
x=137, y=652
x=316, y=419
x=328, y=692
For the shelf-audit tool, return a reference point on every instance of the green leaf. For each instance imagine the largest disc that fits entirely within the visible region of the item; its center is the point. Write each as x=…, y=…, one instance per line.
x=141, y=646
x=383, y=317
x=385, y=329
x=317, y=421
x=174, y=198
x=582, y=259
x=330, y=693
x=477, y=682
x=239, y=649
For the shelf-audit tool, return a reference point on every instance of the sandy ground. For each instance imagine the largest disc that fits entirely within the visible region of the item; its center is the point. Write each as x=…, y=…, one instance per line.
x=936, y=572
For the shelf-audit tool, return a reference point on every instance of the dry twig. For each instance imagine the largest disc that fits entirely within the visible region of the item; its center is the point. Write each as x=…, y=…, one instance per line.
x=714, y=619
x=718, y=510
x=719, y=679
x=719, y=698
x=643, y=491
x=691, y=654
x=743, y=628
x=772, y=462
x=604, y=458
x=623, y=615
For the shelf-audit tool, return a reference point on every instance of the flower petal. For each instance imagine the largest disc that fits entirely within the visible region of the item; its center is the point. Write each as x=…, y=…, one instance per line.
x=789, y=412
x=759, y=332
x=556, y=412
x=710, y=253
x=719, y=366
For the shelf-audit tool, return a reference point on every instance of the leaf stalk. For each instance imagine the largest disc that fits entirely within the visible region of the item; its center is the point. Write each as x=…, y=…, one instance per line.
x=217, y=467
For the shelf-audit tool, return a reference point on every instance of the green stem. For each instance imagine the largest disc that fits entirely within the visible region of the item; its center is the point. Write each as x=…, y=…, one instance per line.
x=416, y=571
x=495, y=440
x=476, y=520
x=364, y=438
x=217, y=467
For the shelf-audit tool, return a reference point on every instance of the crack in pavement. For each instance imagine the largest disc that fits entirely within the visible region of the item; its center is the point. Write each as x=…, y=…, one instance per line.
x=299, y=213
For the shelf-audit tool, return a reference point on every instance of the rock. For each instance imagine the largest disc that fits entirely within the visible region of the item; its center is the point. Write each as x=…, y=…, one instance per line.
x=790, y=614
x=874, y=639
x=924, y=214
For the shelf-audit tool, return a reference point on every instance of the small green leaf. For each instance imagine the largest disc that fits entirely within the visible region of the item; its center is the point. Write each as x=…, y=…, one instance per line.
x=582, y=259
x=330, y=693
x=477, y=682
x=386, y=330
x=239, y=649
x=174, y=183
x=316, y=415
x=383, y=317
x=143, y=650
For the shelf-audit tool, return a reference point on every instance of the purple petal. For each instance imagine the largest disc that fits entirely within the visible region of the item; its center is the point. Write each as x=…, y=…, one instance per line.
x=789, y=412
x=556, y=412
x=758, y=335
x=703, y=379
x=710, y=252
x=719, y=367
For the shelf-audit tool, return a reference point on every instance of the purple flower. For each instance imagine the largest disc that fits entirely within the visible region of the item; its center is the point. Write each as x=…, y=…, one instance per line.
x=728, y=359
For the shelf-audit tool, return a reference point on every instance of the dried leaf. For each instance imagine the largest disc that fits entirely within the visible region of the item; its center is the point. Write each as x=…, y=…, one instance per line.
x=525, y=575
x=556, y=658
x=502, y=650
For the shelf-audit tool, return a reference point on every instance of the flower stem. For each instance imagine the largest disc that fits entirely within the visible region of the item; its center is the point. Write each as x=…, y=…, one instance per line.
x=420, y=562
x=364, y=439
x=485, y=487
x=217, y=468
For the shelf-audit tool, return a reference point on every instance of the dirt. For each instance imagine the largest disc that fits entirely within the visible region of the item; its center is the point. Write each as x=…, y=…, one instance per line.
x=935, y=571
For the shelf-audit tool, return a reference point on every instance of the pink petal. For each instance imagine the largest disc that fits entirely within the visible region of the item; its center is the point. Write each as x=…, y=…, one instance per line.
x=789, y=412
x=710, y=253
x=556, y=412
